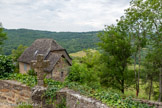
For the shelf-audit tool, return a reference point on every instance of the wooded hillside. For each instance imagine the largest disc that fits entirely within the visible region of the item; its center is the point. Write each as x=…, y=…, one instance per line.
x=72, y=41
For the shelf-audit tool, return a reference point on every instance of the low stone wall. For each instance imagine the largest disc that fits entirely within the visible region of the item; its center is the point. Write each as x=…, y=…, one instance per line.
x=75, y=100
x=13, y=93
x=150, y=103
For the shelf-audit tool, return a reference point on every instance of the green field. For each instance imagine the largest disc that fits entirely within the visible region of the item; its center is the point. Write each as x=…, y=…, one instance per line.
x=80, y=53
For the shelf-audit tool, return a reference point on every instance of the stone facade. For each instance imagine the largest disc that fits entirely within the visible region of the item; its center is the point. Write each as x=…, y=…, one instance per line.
x=60, y=70
x=63, y=53
x=13, y=93
x=24, y=67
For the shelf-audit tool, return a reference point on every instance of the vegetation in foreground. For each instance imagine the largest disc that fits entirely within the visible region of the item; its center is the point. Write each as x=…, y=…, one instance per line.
x=111, y=98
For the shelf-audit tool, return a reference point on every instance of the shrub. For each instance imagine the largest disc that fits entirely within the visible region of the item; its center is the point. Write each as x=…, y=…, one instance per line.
x=24, y=78
x=6, y=66
x=75, y=72
x=32, y=72
x=83, y=74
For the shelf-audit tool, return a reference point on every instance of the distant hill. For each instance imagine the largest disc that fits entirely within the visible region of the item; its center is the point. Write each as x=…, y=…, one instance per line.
x=72, y=41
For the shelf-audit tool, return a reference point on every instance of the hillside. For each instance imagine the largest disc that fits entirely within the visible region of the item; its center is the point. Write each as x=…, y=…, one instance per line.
x=72, y=41
x=80, y=53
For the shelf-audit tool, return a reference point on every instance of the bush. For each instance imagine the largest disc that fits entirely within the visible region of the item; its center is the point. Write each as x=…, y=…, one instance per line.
x=82, y=74
x=6, y=66
x=75, y=72
x=86, y=70
x=24, y=78
x=32, y=72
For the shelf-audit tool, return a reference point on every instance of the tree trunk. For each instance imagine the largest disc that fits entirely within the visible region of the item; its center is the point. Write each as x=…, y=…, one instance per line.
x=135, y=71
x=150, y=89
x=139, y=62
x=123, y=86
x=160, y=84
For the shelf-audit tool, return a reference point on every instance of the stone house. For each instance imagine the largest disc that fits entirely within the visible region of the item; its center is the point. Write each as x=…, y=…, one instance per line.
x=60, y=60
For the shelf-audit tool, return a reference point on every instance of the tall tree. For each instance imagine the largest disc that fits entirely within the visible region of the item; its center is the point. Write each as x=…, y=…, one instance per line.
x=154, y=8
x=116, y=45
x=150, y=71
x=135, y=16
x=157, y=59
x=2, y=36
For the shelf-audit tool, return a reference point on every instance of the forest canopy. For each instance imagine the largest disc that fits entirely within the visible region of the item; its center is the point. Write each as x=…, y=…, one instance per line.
x=72, y=41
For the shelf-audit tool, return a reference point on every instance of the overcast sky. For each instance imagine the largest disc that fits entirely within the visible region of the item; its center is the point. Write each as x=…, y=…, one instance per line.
x=61, y=15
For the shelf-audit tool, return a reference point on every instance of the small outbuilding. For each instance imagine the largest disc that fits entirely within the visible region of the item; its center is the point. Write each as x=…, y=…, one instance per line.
x=60, y=60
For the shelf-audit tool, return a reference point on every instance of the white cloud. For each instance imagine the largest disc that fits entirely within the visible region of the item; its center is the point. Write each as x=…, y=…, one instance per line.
x=61, y=15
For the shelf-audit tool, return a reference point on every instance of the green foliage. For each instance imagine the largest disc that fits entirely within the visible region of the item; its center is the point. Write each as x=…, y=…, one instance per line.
x=24, y=78
x=152, y=63
x=111, y=98
x=53, y=87
x=72, y=41
x=144, y=25
x=85, y=69
x=32, y=72
x=143, y=20
x=2, y=36
x=116, y=46
x=6, y=66
x=74, y=74
x=62, y=104
x=24, y=105
x=16, y=53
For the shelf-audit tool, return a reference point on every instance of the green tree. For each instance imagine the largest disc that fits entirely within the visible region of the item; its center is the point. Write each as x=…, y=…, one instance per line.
x=154, y=22
x=2, y=37
x=150, y=71
x=157, y=60
x=116, y=46
x=136, y=20
x=86, y=70
x=6, y=66
x=144, y=23
x=16, y=53
x=150, y=16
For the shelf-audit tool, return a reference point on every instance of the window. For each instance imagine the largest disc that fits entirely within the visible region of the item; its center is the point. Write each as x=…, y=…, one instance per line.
x=25, y=67
x=62, y=74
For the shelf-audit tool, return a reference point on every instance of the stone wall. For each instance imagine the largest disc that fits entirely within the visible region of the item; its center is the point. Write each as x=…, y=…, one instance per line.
x=13, y=93
x=60, y=70
x=63, y=53
x=75, y=100
x=150, y=103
